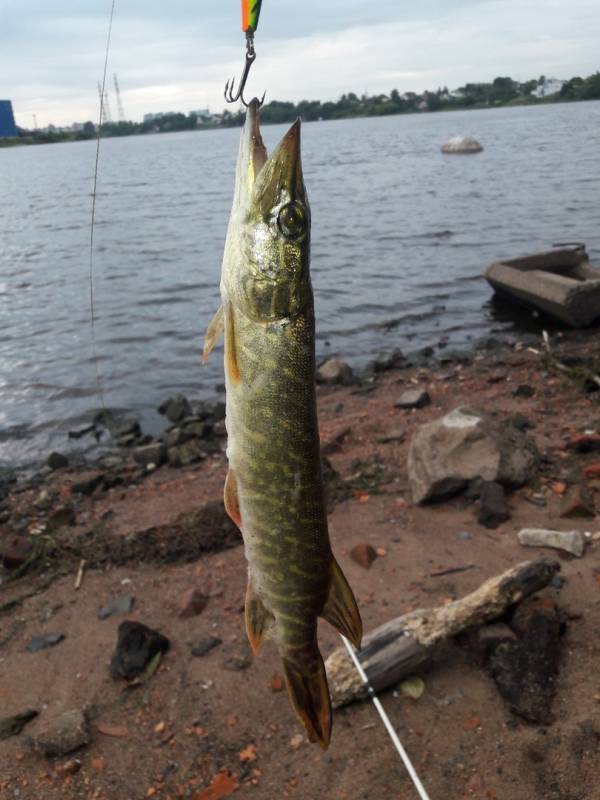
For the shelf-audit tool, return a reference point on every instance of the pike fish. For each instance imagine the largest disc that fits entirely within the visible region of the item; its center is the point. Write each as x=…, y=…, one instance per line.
x=274, y=487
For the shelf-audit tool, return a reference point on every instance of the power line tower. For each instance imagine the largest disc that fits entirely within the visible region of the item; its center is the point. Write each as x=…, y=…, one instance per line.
x=35, y=127
x=120, y=110
x=106, y=116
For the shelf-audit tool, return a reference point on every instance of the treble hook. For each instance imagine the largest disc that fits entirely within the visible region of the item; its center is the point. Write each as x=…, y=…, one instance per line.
x=230, y=97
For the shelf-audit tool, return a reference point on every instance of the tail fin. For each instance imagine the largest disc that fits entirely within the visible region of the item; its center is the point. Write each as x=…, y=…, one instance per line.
x=340, y=609
x=309, y=696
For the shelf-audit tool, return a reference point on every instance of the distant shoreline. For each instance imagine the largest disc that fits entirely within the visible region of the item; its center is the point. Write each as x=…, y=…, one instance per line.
x=502, y=93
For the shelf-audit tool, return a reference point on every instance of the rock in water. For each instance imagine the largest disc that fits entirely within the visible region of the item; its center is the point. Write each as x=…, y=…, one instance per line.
x=447, y=454
x=493, y=508
x=63, y=734
x=136, y=646
x=462, y=145
x=175, y=408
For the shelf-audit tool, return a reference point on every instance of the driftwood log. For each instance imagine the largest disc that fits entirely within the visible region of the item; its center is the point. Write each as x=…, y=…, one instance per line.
x=397, y=648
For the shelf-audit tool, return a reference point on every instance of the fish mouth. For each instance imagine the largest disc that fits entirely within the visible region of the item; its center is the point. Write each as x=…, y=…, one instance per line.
x=252, y=142
x=280, y=179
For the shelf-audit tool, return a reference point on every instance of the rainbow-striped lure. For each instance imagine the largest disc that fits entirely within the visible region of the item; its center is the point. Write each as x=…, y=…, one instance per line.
x=250, y=14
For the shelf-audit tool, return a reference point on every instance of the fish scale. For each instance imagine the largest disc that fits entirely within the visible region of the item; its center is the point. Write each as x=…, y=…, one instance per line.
x=274, y=488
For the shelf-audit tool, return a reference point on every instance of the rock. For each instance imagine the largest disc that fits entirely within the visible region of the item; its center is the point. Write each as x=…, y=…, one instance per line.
x=577, y=503
x=38, y=643
x=363, y=554
x=393, y=435
x=334, y=442
x=12, y=726
x=592, y=470
x=154, y=453
x=461, y=145
x=191, y=603
x=81, y=432
x=524, y=390
x=175, y=408
x=15, y=549
x=89, y=485
x=199, y=429
x=464, y=445
x=493, y=508
x=118, y=605
x=239, y=659
x=521, y=422
x=57, y=461
x=60, y=518
x=136, y=646
x=387, y=361
x=570, y=541
x=187, y=453
x=334, y=371
x=525, y=670
x=588, y=443
x=413, y=398
x=204, y=646
x=62, y=734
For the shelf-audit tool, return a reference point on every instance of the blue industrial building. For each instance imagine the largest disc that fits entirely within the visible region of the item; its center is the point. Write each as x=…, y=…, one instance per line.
x=7, y=120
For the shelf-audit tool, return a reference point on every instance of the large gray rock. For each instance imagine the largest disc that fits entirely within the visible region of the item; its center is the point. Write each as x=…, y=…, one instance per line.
x=466, y=445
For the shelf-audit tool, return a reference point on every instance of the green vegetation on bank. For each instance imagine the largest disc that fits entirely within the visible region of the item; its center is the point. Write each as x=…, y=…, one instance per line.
x=503, y=91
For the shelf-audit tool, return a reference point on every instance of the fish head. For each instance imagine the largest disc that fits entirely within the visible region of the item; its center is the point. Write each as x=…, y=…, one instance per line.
x=266, y=266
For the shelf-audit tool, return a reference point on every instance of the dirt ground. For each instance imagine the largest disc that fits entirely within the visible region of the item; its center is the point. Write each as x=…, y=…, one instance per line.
x=219, y=725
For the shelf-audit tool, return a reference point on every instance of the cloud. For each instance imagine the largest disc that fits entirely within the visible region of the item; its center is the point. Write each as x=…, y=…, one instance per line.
x=177, y=55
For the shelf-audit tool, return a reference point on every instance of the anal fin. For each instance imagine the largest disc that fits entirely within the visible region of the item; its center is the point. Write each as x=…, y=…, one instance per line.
x=340, y=609
x=258, y=619
x=309, y=696
x=213, y=332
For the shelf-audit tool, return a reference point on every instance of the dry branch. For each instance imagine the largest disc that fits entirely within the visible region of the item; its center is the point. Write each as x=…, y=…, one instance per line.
x=398, y=647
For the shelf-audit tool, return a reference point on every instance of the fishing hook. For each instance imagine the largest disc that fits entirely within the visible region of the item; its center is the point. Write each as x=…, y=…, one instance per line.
x=230, y=97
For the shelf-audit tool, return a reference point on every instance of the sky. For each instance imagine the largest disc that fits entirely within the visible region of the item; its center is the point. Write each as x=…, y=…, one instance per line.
x=177, y=55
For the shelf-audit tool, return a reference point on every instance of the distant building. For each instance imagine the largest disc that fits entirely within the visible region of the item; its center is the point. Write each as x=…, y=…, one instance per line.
x=77, y=126
x=8, y=129
x=202, y=113
x=548, y=87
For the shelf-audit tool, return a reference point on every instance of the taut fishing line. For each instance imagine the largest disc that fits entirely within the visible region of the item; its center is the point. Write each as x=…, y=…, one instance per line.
x=386, y=721
x=95, y=184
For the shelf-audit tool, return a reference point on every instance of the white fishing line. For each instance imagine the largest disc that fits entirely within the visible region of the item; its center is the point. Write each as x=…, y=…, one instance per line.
x=386, y=721
x=95, y=186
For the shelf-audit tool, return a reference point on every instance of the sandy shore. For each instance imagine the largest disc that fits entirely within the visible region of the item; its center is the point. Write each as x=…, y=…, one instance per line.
x=207, y=726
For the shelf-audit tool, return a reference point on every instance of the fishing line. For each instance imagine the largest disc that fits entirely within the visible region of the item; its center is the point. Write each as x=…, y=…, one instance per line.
x=95, y=185
x=386, y=721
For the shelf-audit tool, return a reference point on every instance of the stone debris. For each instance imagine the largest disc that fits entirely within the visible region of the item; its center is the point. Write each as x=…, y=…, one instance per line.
x=493, y=508
x=62, y=734
x=154, y=453
x=570, y=541
x=467, y=445
x=12, y=726
x=38, y=643
x=191, y=603
x=118, y=605
x=578, y=503
x=175, y=408
x=136, y=646
x=363, y=554
x=525, y=670
x=413, y=398
x=204, y=646
x=57, y=461
x=334, y=371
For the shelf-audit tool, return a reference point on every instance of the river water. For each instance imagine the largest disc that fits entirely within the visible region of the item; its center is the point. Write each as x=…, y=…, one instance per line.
x=401, y=237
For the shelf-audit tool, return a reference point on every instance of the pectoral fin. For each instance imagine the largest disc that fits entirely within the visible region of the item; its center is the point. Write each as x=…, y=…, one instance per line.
x=258, y=619
x=232, y=367
x=231, y=499
x=213, y=332
x=341, y=610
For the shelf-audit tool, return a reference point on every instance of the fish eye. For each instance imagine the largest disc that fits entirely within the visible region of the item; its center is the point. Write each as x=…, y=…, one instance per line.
x=292, y=220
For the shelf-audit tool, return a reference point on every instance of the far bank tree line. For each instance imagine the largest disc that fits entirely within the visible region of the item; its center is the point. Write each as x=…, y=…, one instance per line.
x=502, y=91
